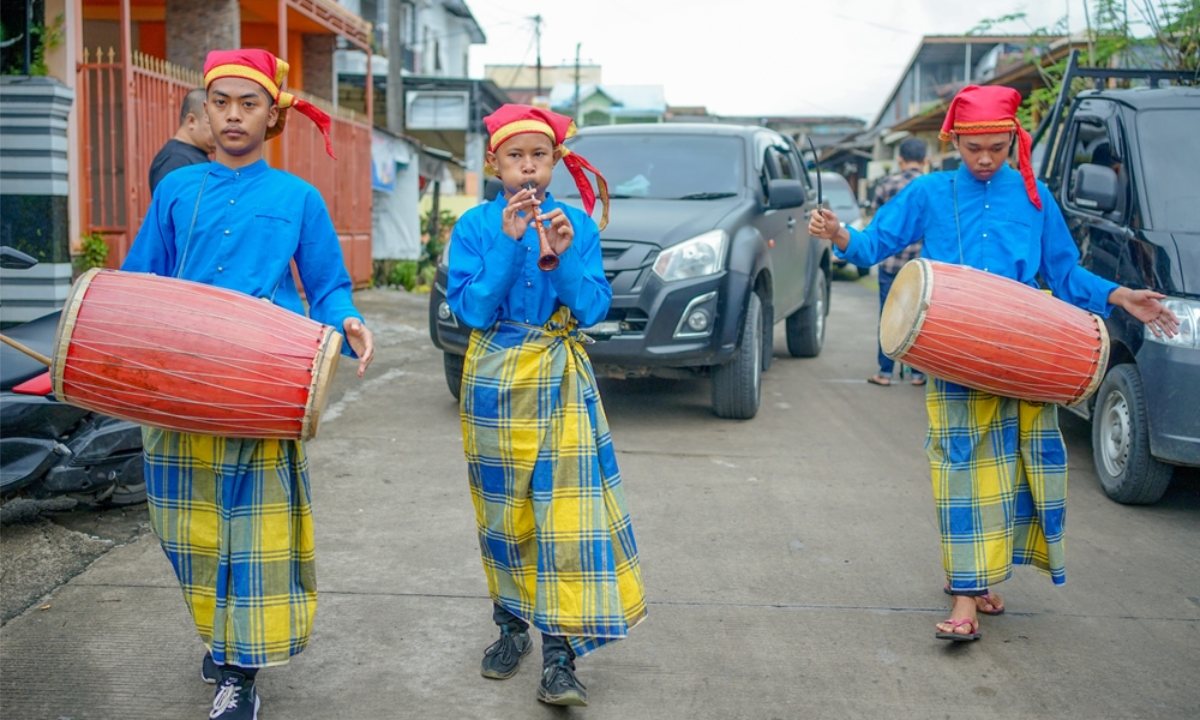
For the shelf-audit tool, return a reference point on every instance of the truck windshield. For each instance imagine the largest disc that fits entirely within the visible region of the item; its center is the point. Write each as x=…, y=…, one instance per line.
x=654, y=165
x=1171, y=167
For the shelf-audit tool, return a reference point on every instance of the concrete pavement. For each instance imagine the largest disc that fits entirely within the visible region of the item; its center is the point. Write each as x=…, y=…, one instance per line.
x=791, y=563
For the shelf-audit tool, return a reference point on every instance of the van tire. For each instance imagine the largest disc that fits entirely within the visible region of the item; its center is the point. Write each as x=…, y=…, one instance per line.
x=737, y=385
x=806, y=327
x=1128, y=472
x=453, y=366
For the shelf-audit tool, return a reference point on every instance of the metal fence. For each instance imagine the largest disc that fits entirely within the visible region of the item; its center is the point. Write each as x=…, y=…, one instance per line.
x=143, y=113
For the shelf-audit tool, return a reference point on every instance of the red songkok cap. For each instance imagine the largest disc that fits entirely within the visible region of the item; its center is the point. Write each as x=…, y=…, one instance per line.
x=980, y=110
x=511, y=120
x=269, y=71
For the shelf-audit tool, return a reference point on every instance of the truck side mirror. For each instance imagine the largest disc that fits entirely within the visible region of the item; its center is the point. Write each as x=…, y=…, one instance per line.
x=1095, y=187
x=785, y=193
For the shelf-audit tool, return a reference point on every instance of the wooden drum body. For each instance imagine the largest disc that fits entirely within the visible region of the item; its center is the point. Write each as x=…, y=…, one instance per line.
x=184, y=356
x=992, y=334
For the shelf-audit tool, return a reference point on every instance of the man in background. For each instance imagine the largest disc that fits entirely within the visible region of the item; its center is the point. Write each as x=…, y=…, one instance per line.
x=193, y=141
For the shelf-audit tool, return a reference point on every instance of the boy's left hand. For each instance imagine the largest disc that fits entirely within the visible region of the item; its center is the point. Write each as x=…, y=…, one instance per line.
x=361, y=340
x=560, y=233
x=1145, y=306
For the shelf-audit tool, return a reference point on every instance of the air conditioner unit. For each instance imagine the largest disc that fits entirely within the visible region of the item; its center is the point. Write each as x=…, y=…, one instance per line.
x=437, y=110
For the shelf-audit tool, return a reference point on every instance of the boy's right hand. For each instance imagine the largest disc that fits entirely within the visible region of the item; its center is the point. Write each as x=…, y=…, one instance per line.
x=513, y=224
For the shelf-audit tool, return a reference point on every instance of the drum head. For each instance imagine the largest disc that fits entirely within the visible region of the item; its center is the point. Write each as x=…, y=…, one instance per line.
x=905, y=308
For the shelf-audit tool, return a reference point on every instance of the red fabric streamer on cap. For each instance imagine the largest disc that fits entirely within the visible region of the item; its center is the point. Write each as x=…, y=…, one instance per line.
x=981, y=110
x=512, y=119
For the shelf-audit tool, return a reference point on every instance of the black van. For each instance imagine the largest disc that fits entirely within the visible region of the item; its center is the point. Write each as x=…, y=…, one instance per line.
x=1124, y=166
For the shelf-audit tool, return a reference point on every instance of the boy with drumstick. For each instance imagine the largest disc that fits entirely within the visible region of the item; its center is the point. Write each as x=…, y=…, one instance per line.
x=234, y=515
x=999, y=464
x=557, y=543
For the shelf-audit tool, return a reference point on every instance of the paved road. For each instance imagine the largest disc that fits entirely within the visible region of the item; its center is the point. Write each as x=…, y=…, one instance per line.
x=791, y=563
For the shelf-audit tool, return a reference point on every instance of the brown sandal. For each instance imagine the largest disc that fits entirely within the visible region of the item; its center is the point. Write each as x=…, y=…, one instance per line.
x=880, y=380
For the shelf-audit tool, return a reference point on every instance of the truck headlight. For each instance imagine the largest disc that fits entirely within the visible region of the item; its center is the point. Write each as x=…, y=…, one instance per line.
x=1188, y=312
x=697, y=257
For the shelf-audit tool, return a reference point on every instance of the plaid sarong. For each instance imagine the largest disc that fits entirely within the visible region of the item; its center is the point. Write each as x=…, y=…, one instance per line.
x=999, y=483
x=235, y=519
x=556, y=539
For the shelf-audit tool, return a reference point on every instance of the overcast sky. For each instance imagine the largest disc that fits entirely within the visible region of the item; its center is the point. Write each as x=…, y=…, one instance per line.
x=746, y=57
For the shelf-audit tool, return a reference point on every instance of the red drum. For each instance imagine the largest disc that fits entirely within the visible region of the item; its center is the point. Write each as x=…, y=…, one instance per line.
x=184, y=356
x=992, y=334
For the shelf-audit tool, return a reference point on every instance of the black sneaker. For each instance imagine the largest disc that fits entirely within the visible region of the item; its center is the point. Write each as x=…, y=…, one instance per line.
x=503, y=657
x=559, y=685
x=209, y=672
x=236, y=699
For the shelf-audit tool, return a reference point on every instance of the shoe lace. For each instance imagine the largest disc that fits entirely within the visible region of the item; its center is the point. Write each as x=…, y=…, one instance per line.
x=506, y=646
x=226, y=699
x=562, y=673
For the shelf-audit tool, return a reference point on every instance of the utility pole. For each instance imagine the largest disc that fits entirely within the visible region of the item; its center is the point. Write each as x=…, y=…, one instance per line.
x=537, y=34
x=395, y=76
x=575, y=106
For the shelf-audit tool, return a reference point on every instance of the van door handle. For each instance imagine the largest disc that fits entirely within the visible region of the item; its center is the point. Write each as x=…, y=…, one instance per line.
x=791, y=223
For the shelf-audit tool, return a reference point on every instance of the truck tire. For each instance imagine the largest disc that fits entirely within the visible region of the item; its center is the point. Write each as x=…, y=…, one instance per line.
x=737, y=385
x=806, y=327
x=453, y=365
x=1128, y=472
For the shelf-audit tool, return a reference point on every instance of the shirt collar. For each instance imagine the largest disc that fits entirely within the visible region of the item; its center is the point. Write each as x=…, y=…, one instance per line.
x=254, y=169
x=964, y=173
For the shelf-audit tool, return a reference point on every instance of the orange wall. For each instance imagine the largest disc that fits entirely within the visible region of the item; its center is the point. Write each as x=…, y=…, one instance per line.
x=152, y=38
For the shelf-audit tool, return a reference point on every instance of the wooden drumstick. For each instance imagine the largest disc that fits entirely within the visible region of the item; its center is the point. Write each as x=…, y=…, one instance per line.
x=25, y=349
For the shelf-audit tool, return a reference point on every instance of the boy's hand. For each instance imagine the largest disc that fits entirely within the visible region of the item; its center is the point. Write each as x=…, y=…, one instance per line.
x=1145, y=306
x=513, y=223
x=822, y=223
x=560, y=233
x=361, y=340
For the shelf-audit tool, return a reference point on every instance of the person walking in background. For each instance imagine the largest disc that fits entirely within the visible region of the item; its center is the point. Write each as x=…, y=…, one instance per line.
x=193, y=141
x=912, y=165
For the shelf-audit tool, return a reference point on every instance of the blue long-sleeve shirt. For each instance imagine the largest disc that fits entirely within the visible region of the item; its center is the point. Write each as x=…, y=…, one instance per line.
x=240, y=229
x=493, y=277
x=1001, y=232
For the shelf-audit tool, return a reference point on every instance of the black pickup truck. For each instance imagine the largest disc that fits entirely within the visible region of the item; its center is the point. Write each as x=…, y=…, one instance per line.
x=707, y=249
x=1124, y=165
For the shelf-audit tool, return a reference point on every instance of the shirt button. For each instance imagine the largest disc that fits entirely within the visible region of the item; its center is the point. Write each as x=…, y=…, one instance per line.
x=985, y=207
x=233, y=202
x=227, y=232
x=220, y=268
x=528, y=249
x=528, y=284
x=985, y=234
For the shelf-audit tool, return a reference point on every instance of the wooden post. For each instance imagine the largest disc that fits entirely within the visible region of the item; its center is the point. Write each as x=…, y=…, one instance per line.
x=130, y=130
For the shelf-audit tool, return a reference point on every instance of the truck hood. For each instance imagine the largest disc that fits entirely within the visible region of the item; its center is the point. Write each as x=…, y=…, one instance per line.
x=667, y=222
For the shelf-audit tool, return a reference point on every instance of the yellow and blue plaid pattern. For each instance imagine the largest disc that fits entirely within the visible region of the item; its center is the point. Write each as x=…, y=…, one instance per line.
x=235, y=519
x=999, y=483
x=556, y=539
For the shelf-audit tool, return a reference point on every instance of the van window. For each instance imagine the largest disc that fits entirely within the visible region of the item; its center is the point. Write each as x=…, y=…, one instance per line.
x=1093, y=143
x=1170, y=168
x=658, y=165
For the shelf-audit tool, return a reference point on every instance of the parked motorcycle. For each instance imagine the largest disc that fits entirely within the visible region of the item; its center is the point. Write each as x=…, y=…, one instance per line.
x=49, y=448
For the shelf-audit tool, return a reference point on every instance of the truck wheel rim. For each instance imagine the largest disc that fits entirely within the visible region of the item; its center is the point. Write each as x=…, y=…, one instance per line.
x=1115, y=434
